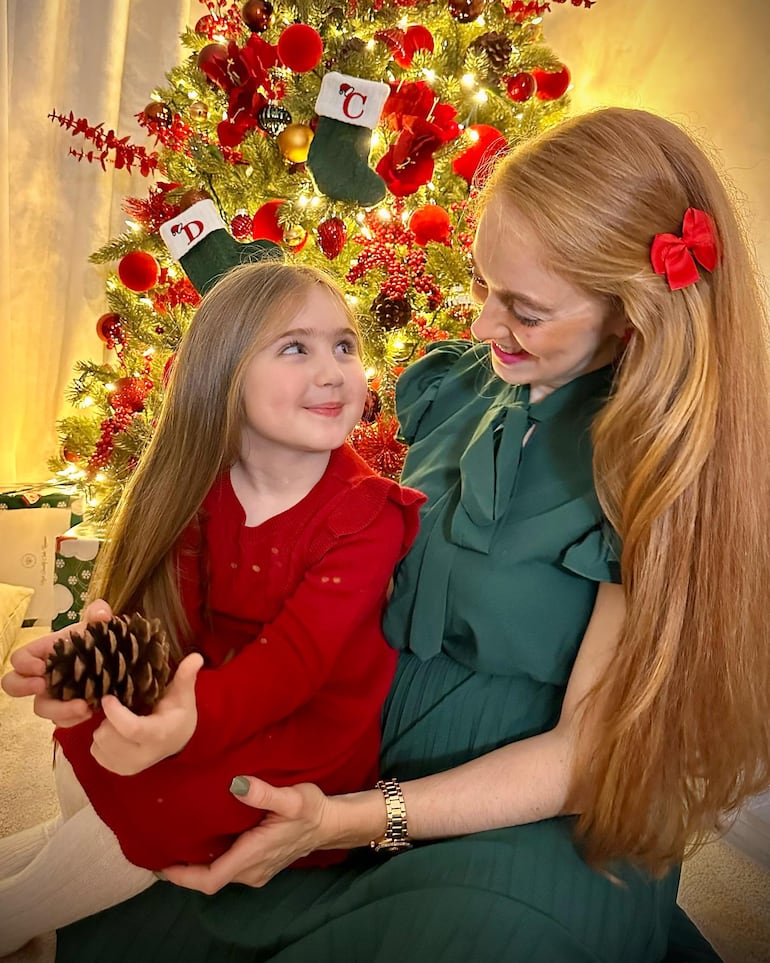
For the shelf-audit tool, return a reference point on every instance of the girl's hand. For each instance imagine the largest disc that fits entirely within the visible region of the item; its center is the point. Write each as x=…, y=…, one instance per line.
x=26, y=677
x=126, y=743
x=299, y=820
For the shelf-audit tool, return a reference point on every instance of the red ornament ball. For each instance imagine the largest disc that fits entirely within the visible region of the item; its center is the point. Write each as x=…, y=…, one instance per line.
x=300, y=48
x=212, y=60
x=241, y=225
x=265, y=222
x=521, y=86
x=257, y=15
x=332, y=234
x=430, y=223
x=139, y=271
x=109, y=329
x=69, y=455
x=551, y=84
x=419, y=37
x=486, y=143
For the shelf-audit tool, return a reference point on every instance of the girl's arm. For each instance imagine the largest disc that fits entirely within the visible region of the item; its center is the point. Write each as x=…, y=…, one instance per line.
x=336, y=606
x=26, y=677
x=522, y=782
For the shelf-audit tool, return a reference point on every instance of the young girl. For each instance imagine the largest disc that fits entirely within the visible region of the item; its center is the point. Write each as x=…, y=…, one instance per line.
x=264, y=543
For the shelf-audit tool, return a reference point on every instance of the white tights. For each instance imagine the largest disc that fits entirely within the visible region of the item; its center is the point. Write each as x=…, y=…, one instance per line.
x=61, y=871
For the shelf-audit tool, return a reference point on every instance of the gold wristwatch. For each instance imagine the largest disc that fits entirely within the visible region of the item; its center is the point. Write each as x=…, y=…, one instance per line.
x=396, y=838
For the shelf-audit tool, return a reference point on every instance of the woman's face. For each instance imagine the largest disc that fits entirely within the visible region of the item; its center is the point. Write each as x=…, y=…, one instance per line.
x=543, y=331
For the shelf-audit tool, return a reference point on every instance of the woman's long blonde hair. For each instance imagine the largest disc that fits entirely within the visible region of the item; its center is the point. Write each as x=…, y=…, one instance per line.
x=681, y=463
x=198, y=436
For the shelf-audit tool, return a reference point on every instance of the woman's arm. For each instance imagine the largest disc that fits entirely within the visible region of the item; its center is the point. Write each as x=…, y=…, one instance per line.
x=522, y=782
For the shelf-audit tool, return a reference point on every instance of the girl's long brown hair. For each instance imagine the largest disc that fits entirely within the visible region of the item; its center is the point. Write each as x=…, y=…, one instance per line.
x=680, y=723
x=198, y=436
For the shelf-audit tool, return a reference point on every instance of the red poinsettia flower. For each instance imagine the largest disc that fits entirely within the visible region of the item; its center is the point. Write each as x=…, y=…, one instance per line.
x=252, y=61
x=249, y=87
x=407, y=179
x=424, y=125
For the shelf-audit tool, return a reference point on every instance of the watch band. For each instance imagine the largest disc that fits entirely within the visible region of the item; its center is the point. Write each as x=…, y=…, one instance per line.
x=396, y=837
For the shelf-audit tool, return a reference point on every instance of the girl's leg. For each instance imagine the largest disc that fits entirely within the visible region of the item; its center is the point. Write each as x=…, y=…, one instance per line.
x=79, y=871
x=19, y=849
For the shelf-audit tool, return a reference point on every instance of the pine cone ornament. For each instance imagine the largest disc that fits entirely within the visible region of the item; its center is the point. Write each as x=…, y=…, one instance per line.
x=391, y=312
x=126, y=657
x=497, y=48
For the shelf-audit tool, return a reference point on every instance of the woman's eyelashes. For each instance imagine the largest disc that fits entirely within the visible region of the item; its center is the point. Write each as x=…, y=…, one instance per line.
x=480, y=290
x=522, y=319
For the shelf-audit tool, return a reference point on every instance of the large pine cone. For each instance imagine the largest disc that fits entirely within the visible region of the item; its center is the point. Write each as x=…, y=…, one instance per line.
x=126, y=657
x=391, y=312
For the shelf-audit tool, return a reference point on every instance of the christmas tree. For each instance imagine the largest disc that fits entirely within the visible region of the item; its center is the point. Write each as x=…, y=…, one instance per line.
x=349, y=133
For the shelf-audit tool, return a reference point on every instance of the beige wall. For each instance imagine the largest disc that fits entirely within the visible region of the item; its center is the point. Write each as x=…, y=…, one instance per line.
x=703, y=63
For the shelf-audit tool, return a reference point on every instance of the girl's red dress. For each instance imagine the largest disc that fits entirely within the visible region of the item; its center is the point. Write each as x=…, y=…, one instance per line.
x=287, y=615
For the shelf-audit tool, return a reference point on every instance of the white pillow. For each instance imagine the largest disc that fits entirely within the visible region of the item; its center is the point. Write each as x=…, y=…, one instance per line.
x=14, y=600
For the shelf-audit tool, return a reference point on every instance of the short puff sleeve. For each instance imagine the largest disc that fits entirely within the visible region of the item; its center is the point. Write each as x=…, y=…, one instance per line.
x=418, y=386
x=595, y=555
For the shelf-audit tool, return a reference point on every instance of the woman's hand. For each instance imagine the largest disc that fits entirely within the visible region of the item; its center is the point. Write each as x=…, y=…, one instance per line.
x=299, y=820
x=126, y=743
x=27, y=676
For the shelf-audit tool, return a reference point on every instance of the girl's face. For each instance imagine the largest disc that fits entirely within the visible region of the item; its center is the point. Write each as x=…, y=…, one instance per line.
x=543, y=331
x=305, y=391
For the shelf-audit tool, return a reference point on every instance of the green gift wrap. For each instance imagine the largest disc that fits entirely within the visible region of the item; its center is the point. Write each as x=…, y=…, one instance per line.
x=31, y=517
x=76, y=552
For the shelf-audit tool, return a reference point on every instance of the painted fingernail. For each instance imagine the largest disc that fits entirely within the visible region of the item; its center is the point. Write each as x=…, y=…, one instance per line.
x=239, y=786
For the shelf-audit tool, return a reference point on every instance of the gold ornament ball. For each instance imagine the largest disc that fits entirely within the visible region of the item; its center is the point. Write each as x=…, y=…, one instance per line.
x=198, y=110
x=294, y=142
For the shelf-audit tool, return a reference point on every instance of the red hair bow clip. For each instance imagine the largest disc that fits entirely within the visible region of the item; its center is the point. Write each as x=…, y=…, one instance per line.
x=676, y=256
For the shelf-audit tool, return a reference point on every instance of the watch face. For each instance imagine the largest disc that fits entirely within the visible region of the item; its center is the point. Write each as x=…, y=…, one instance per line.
x=393, y=846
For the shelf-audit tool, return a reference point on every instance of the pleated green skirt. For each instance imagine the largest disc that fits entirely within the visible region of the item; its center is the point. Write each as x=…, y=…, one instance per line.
x=518, y=894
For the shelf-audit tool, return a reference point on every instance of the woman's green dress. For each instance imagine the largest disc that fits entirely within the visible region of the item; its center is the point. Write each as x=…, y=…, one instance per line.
x=488, y=610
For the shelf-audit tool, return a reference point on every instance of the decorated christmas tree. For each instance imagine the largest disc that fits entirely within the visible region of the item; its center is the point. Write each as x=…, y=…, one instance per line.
x=348, y=134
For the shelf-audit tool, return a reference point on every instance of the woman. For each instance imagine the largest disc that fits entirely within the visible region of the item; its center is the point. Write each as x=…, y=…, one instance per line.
x=531, y=685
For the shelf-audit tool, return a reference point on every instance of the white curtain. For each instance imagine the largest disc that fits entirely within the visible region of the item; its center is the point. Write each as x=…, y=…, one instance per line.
x=702, y=61
x=100, y=59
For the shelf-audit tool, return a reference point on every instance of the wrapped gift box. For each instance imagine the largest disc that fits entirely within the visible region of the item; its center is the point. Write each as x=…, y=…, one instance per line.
x=76, y=552
x=31, y=516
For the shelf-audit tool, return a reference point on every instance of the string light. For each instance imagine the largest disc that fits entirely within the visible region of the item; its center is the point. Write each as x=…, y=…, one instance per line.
x=481, y=97
x=468, y=81
x=88, y=401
